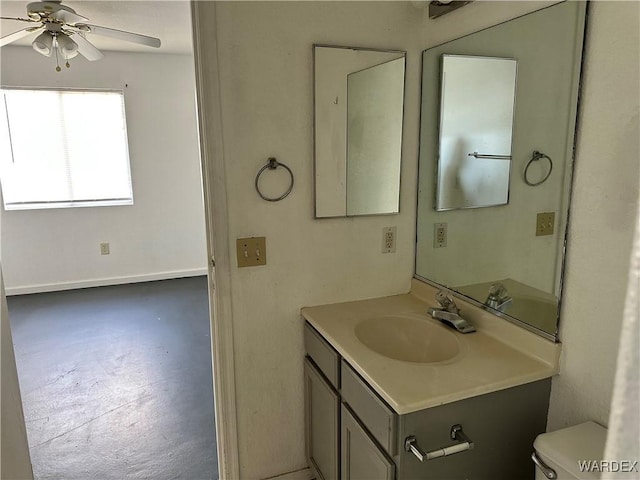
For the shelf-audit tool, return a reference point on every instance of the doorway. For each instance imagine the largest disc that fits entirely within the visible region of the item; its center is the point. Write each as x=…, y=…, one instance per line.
x=58, y=253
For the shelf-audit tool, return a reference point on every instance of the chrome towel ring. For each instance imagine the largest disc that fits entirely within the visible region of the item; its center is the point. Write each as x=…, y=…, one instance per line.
x=537, y=156
x=272, y=164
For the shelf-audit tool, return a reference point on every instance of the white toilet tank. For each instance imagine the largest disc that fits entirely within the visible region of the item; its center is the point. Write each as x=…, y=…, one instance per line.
x=563, y=451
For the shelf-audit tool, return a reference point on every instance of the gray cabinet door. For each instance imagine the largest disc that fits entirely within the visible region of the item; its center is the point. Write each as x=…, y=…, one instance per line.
x=361, y=458
x=322, y=423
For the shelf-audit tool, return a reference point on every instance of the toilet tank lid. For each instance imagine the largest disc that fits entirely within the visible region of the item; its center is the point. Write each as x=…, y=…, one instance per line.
x=569, y=446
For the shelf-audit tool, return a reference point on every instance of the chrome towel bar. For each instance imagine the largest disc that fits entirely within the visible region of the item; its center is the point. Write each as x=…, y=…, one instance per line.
x=487, y=155
x=465, y=443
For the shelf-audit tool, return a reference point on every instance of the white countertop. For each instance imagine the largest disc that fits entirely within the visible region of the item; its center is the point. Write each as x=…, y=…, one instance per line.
x=493, y=358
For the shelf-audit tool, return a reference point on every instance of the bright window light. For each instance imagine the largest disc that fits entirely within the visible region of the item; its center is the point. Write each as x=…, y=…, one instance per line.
x=63, y=148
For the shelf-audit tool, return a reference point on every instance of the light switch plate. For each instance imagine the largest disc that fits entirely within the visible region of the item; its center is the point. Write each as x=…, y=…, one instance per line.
x=251, y=251
x=544, y=223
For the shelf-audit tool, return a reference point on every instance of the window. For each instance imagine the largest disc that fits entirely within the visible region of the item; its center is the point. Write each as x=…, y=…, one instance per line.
x=63, y=148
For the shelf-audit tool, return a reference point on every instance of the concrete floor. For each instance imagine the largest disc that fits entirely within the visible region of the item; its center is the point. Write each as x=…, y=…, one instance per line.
x=116, y=381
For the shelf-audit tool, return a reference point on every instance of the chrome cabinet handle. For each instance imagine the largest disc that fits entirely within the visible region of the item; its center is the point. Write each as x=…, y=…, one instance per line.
x=465, y=443
x=548, y=472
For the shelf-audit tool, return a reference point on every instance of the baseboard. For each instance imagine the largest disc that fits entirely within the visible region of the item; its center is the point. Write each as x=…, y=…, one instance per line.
x=103, y=282
x=302, y=474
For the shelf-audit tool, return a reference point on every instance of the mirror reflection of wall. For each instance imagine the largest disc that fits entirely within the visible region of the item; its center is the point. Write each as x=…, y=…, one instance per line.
x=490, y=245
x=476, y=120
x=359, y=98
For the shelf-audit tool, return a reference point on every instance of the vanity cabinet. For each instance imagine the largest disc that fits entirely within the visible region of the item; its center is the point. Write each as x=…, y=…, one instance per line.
x=502, y=426
x=322, y=414
x=353, y=434
x=322, y=406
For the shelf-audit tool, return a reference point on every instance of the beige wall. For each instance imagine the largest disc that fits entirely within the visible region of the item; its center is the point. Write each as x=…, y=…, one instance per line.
x=265, y=59
x=605, y=196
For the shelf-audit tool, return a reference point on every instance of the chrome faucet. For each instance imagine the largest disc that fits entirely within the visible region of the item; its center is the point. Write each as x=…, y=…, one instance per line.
x=449, y=313
x=498, y=297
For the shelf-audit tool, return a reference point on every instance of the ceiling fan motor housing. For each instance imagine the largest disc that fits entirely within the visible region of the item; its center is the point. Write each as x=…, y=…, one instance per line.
x=40, y=10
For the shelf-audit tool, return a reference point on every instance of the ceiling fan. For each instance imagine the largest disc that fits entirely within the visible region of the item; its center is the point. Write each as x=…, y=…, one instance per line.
x=63, y=32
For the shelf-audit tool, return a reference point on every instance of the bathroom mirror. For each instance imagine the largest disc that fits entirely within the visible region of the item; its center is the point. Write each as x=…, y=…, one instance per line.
x=509, y=258
x=358, y=110
x=477, y=96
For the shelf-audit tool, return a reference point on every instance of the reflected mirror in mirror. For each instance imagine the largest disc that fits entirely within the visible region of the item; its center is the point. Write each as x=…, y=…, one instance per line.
x=476, y=119
x=358, y=104
x=497, y=257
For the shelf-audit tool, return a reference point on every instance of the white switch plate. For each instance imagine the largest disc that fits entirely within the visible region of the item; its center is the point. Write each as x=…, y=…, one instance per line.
x=439, y=235
x=104, y=248
x=389, y=239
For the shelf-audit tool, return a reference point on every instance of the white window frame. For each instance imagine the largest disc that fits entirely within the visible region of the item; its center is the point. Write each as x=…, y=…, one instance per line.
x=70, y=202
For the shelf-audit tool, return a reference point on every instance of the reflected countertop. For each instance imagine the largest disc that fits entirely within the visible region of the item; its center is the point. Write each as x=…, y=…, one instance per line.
x=499, y=355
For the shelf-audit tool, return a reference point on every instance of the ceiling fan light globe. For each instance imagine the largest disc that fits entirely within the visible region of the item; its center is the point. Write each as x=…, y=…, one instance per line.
x=43, y=44
x=67, y=46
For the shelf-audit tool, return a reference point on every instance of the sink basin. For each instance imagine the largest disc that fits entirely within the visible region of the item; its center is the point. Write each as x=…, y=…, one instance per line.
x=408, y=338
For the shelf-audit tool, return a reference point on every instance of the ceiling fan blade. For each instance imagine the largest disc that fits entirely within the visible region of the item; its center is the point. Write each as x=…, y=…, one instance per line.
x=12, y=37
x=86, y=48
x=20, y=19
x=127, y=36
x=68, y=17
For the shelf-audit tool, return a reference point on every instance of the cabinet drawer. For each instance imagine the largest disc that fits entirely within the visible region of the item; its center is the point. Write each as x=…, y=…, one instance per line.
x=322, y=354
x=379, y=419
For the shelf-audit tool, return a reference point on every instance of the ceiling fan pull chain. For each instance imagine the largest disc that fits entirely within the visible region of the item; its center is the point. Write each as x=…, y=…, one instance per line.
x=55, y=47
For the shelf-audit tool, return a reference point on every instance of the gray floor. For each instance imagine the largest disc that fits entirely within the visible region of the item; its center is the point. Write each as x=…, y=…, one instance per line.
x=116, y=381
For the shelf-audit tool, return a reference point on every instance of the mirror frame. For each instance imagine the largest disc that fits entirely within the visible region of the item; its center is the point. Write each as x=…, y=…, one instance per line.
x=402, y=54
x=439, y=165
x=566, y=194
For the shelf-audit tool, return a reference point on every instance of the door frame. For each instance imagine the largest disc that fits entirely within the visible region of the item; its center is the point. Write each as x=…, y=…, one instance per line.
x=203, y=15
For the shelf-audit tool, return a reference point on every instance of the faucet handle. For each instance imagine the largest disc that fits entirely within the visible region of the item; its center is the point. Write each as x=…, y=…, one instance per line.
x=498, y=290
x=446, y=302
x=498, y=297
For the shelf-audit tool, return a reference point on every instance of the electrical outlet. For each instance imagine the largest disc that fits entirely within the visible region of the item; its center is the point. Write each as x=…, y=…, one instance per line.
x=544, y=223
x=251, y=252
x=439, y=235
x=104, y=248
x=389, y=239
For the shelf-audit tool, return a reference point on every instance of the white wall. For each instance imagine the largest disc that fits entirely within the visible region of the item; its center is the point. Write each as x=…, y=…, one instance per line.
x=605, y=196
x=162, y=234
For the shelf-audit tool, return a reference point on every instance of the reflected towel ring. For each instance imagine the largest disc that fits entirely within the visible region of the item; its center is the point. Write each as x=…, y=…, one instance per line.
x=537, y=156
x=272, y=165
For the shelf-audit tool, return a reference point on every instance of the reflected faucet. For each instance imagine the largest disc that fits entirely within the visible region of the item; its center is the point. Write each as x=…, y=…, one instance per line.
x=498, y=297
x=449, y=313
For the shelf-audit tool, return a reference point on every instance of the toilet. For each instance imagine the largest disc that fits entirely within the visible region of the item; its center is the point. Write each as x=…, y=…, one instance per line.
x=559, y=454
